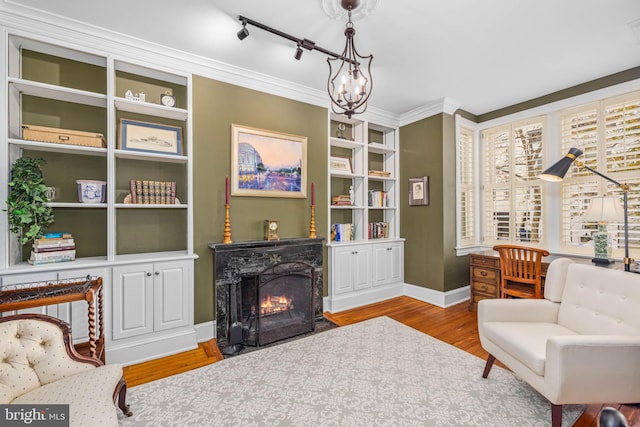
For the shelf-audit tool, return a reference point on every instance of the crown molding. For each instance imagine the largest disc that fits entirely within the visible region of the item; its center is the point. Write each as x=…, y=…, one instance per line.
x=442, y=105
x=29, y=22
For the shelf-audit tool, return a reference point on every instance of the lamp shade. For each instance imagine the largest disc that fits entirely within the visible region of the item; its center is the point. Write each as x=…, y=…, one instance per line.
x=604, y=209
x=559, y=169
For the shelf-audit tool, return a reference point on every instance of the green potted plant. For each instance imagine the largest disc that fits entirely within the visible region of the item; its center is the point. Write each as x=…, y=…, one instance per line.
x=28, y=212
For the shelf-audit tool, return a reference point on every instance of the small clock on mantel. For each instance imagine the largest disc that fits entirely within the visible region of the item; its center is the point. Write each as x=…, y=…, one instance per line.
x=271, y=228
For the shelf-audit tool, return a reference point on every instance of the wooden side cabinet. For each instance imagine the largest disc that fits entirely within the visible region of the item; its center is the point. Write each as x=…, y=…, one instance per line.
x=484, y=281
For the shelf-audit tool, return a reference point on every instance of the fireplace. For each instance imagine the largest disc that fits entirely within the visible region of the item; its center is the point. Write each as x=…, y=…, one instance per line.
x=277, y=304
x=266, y=291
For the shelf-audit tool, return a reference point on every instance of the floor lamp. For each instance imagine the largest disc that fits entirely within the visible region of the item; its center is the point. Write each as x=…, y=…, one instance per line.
x=559, y=169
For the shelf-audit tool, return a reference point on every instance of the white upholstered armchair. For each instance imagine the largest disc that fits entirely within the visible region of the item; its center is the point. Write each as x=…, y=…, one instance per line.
x=578, y=345
x=39, y=365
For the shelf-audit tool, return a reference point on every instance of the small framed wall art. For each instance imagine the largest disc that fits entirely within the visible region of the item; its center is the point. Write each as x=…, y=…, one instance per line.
x=419, y=191
x=150, y=137
x=340, y=164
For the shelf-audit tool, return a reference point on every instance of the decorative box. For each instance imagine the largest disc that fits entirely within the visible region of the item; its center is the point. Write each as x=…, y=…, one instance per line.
x=63, y=136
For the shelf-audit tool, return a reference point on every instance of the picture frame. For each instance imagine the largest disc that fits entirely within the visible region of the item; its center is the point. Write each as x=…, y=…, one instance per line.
x=419, y=191
x=340, y=164
x=149, y=137
x=267, y=163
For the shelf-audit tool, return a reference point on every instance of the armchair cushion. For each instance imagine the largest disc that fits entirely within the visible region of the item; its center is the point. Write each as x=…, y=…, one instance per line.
x=525, y=341
x=89, y=395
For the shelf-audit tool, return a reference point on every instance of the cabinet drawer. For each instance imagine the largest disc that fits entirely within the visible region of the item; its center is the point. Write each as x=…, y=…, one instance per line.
x=486, y=288
x=484, y=274
x=485, y=261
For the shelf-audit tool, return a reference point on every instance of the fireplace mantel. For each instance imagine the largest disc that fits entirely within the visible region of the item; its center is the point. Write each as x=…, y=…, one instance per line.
x=236, y=260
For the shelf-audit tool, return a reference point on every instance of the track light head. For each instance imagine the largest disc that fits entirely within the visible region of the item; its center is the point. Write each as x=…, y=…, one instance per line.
x=243, y=33
x=298, y=54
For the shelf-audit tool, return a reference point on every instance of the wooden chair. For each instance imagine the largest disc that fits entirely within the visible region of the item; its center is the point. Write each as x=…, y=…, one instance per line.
x=521, y=271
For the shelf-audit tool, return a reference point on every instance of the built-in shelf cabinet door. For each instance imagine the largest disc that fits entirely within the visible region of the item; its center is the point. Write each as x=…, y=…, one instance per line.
x=172, y=295
x=132, y=304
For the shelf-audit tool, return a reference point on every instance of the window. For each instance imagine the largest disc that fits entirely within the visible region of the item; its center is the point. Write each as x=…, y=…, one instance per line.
x=512, y=191
x=608, y=132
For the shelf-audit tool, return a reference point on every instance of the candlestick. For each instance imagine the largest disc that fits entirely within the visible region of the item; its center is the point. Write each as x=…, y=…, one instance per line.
x=226, y=237
x=226, y=190
x=312, y=224
x=312, y=195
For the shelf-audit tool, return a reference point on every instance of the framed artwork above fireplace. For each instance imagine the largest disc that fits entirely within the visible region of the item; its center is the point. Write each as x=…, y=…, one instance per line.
x=267, y=164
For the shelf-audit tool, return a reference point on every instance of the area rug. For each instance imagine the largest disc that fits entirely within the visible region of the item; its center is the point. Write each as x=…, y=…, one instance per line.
x=374, y=373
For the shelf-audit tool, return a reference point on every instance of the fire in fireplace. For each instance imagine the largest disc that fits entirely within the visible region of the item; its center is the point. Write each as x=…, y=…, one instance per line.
x=278, y=304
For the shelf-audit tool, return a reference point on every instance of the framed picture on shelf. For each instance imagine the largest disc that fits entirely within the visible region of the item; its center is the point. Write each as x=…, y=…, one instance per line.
x=267, y=164
x=149, y=137
x=340, y=164
x=419, y=191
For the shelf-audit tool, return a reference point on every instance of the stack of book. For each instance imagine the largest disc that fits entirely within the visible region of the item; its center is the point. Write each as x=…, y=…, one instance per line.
x=341, y=200
x=53, y=247
x=152, y=192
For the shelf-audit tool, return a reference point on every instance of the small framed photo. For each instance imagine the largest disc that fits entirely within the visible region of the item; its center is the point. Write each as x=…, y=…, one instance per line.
x=419, y=191
x=341, y=164
x=150, y=137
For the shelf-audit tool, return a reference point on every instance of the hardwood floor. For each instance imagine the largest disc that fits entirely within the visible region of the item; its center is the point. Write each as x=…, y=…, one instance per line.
x=455, y=325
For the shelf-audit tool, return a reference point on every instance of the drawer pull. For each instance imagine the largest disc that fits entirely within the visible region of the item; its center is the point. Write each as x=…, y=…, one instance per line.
x=483, y=273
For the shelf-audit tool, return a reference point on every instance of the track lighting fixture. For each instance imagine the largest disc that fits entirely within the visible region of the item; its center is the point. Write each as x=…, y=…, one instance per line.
x=243, y=33
x=350, y=86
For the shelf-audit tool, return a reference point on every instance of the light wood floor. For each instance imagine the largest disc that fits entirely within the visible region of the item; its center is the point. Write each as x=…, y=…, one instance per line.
x=455, y=325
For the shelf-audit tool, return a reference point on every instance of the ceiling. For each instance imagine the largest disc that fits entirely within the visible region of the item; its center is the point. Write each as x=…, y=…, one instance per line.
x=480, y=55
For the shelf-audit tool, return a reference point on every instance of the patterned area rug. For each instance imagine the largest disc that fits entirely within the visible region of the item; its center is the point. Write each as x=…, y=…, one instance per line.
x=374, y=373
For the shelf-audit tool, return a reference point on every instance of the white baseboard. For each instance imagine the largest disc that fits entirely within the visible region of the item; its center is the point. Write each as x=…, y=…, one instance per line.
x=364, y=297
x=205, y=331
x=156, y=347
x=440, y=299
x=370, y=296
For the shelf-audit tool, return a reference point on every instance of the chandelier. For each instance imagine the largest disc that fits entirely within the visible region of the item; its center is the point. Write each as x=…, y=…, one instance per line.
x=350, y=85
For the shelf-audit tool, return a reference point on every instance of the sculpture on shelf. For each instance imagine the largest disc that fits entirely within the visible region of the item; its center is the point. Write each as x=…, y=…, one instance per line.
x=352, y=198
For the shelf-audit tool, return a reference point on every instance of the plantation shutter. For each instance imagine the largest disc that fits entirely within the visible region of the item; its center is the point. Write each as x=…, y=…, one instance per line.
x=466, y=190
x=512, y=161
x=608, y=132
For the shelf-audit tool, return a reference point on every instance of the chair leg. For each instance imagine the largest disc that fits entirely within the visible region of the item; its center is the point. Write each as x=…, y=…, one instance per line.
x=122, y=398
x=488, y=366
x=556, y=415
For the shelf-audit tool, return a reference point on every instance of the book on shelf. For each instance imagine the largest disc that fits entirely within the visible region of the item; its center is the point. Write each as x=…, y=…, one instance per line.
x=342, y=232
x=132, y=190
x=341, y=200
x=378, y=230
x=55, y=235
x=150, y=192
x=53, y=248
x=374, y=172
x=378, y=198
x=44, y=243
x=53, y=256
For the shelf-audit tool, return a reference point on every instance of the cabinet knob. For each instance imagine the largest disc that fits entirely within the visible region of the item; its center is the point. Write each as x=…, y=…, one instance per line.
x=148, y=273
x=483, y=273
x=157, y=273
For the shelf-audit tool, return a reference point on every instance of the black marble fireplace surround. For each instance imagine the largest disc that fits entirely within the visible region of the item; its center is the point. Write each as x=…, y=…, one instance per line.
x=239, y=265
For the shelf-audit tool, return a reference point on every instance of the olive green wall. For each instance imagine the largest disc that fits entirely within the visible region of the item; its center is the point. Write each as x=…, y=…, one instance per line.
x=427, y=147
x=216, y=106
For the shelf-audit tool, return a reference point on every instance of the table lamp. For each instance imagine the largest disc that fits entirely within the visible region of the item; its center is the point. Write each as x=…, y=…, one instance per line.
x=559, y=169
x=602, y=211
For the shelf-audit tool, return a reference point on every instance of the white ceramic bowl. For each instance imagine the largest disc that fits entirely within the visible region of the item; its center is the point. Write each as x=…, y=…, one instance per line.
x=91, y=191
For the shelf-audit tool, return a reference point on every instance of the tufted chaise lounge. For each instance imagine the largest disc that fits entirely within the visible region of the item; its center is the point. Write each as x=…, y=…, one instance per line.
x=38, y=365
x=578, y=345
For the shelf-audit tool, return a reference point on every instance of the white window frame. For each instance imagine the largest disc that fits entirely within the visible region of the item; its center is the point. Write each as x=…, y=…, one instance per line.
x=473, y=244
